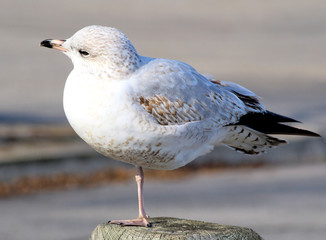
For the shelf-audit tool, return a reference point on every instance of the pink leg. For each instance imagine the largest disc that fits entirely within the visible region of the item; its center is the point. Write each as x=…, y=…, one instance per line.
x=142, y=218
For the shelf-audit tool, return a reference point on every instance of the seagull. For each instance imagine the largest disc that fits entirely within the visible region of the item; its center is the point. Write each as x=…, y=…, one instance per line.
x=157, y=113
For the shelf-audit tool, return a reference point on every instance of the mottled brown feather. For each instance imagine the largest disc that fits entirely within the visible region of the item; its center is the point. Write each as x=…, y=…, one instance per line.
x=168, y=112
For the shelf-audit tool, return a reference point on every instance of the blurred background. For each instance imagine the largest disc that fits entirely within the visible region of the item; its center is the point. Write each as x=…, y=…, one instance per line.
x=53, y=186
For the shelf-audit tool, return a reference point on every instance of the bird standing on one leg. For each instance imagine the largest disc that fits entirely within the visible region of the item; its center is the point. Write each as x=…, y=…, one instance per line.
x=157, y=113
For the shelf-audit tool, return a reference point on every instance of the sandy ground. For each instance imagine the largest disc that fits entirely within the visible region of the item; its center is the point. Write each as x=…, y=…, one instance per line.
x=279, y=203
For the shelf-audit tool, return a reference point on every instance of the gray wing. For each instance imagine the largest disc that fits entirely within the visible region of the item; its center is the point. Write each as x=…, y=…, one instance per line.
x=174, y=93
x=250, y=99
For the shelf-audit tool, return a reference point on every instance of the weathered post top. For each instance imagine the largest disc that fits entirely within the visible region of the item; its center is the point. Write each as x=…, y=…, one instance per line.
x=174, y=229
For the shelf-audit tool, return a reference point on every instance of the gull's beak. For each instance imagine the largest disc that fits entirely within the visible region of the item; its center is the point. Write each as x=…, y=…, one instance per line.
x=54, y=43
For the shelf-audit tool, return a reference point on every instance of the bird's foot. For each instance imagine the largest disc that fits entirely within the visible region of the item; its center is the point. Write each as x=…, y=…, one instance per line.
x=132, y=222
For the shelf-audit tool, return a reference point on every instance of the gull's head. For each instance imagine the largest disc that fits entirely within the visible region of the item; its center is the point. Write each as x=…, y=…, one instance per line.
x=99, y=49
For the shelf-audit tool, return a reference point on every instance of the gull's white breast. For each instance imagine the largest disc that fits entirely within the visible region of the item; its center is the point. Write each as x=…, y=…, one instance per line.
x=104, y=114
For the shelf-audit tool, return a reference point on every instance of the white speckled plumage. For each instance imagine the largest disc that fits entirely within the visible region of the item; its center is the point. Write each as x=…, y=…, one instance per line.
x=106, y=93
x=157, y=113
x=154, y=113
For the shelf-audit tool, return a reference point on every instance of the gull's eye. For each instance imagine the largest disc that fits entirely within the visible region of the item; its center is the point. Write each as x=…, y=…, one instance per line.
x=84, y=53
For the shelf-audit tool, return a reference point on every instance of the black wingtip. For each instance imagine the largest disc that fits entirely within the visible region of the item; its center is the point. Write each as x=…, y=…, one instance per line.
x=297, y=131
x=313, y=134
x=279, y=118
x=271, y=123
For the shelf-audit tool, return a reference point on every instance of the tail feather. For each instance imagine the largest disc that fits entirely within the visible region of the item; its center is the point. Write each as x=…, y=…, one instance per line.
x=249, y=141
x=249, y=134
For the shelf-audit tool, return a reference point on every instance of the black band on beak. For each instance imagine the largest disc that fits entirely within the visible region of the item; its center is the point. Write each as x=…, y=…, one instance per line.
x=47, y=43
x=54, y=43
